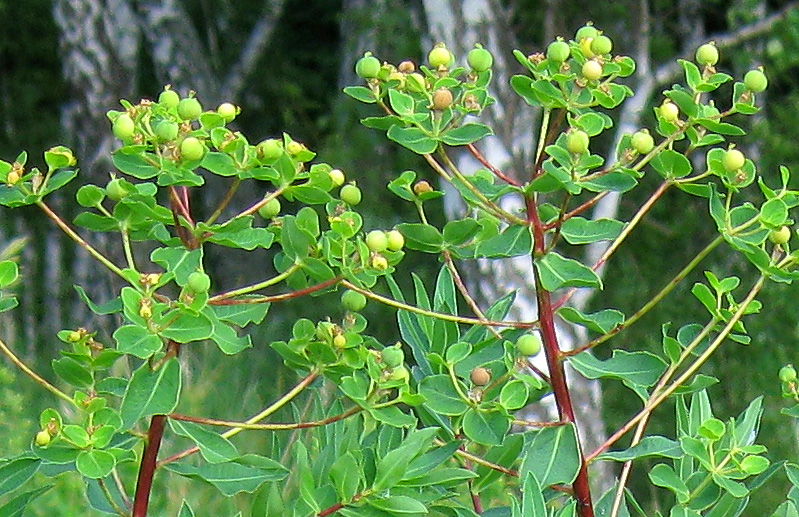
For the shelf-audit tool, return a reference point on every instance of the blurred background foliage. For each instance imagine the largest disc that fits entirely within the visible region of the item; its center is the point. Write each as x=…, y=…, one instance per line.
x=294, y=84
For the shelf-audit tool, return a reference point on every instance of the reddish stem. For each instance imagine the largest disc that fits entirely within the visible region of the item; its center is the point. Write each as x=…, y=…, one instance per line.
x=498, y=173
x=147, y=470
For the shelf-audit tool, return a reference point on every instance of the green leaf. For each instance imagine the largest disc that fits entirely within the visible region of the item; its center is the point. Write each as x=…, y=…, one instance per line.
x=9, y=272
x=73, y=372
x=441, y=395
x=412, y=138
x=391, y=469
x=466, y=134
x=399, y=505
x=514, y=394
x=214, y=447
x=232, y=477
x=95, y=463
x=402, y=103
x=151, y=393
x=557, y=272
x=513, y=241
x=14, y=473
x=346, y=476
x=774, y=213
x=663, y=475
x=422, y=237
x=136, y=165
x=634, y=368
x=137, y=341
x=533, y=502
x=602, y=322
x=487, y=428
x=360, y=93
x=185, y=327
x=460, y=231
x=185, y=510
x=553, y=455
x=16, y=507
x=179, y=261
x=578, y=230
x=735, y=489
x=671, y=164
x=650, y=446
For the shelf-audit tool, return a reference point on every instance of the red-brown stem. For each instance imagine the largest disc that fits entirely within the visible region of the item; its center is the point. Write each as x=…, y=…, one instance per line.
x=557, y=374
x=338, y=506
x=221, y=300
x=577, y=210
x=498, y=173
x=147, y=470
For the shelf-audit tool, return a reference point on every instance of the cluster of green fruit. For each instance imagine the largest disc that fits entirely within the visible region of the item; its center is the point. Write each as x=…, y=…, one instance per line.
x=527, y=345
x=439, y=83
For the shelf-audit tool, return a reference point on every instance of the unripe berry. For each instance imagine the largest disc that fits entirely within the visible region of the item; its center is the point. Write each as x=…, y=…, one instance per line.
x=669, y=111
x=42, y=438
x=191, y=149
x=592, y=70
x=392, y=356
x=198, y=282
x=439, y=56
x=353, y=300
x=733, y=160
x=337, y=177
x=367, y=67
x=480, y=59
x=396, y=241
x=189, y=108
x=123, y=127
x=166, y=130
x=585, y=48
x=707, y=54
x=480, y=376
x=529, y=344
x=169, y=98
x=227, y=111
x=577, y=141
x=270, y=209
x=350, y=194
x=642, y=142
x=585, y=32
x=339, y=341
x=442, y=99
x=406, y=67
x=755, y=81
x=74, y=336
x=379, y=262
x=294, y=148
x=270, y=150
x=377, y=241
x=601, y=45
x=558, y=51
x=788, y=374
x=399, y=373
x=115, y=189
x=781, y=236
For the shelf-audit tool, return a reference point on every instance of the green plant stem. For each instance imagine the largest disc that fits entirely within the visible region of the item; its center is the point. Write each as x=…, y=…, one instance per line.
x=277, y=297
x=35, y=376
x=267, y=427
x=438, y=315
x=542, y=136
x=78, y=239
x=127, y=248
x=272, y=408
x=687, y=374
x=107, y=493
x=640, y=313
x=260, y=285
x=477, y=459
x=225, y=201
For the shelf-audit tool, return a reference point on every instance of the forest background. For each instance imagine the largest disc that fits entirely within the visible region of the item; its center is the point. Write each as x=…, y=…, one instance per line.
x=64, y=63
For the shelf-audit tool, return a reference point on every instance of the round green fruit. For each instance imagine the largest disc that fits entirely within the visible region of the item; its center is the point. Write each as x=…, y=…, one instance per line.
x=592, y=70
x=337, y=177
x=353, y=300
x=480, y=376
x=585, y=32
x=399, y=373
x=166, y=130
x=642, y=142
x=74, y=336
x=733, y=160
x=707, y=54
x=396, y=241
x=577, y=141
x=558, y=51
x=480, y=59
x=294, y=148
x=601, y=45
x=227, y=111
x=115, y=189
x=42, y=438
x=787, y=374
x=755, y=81
x=377, y=241
x=367, y=67
x=198, y=282
x=439, y=57
x=529, y=344
x=379, y=262
x=350, y=194
x=270, y=209
x=781, y=236
x=393, y=356
x=669, y=111
x=124, y=127
x=191, y=149
x=340, y=341
x=169, y=98
x=270, y=150
x=190, y=108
